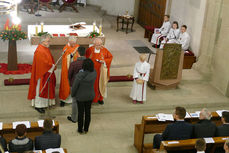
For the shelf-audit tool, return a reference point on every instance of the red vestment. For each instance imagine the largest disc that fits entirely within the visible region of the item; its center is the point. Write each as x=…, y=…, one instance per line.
x=42, y=63
x=64, y=91
x=103, y=55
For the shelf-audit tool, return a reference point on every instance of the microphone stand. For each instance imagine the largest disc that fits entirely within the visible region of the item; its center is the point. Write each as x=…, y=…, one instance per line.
x=38, y=8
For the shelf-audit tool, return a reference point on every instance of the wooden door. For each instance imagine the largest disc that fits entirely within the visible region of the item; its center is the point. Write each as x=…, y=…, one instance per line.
x=151, y=12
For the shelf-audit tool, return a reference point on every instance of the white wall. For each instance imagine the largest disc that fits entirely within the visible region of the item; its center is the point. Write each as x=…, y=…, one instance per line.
x=115, y=7
x=191, y=13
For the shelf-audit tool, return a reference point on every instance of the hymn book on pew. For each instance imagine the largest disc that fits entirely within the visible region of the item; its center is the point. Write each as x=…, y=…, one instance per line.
x=219, y=112
x=0, y=125
x=41, y=123
x=209, y=140
x=26, y=123
x=59, y=150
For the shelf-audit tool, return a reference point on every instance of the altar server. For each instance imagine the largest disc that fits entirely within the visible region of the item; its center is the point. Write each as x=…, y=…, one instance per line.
x=102, y=59
x=173, y=35
x=141, y=76
x=41, y=93
x=70, y=55
x=184, y=38
x=162, y=32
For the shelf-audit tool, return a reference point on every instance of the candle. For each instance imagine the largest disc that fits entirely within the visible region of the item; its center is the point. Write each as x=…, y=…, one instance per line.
x=36, y=29
x=94, y=24
x=100, y=29
x=42, y=26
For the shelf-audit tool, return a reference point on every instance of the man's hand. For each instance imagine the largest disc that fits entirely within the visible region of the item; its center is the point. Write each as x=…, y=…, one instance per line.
x=157, y=32
x=52, y=69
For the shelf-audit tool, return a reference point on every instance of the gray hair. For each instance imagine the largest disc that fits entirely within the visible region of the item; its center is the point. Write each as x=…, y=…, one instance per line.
x=72, y=38
x=206, y=113
x=44, y=37
x=98, y=40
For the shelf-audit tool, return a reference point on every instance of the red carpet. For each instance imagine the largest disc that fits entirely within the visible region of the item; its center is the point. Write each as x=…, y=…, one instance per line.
x=26, y=81
x=22, y=69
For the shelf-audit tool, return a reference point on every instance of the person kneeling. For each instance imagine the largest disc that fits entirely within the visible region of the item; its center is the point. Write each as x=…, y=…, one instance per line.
x=21, y=143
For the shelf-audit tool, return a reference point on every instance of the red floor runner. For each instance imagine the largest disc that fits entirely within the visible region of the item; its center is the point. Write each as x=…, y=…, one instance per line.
x=22, y=69
x=14, y=82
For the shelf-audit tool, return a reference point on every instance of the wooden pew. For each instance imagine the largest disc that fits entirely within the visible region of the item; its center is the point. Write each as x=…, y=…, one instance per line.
x=9, y=133
x=190, y=144
x=151, y=125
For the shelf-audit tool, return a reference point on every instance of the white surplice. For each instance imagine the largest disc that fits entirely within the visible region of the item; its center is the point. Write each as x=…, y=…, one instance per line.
x=141, y=71
x=172, y=37
x=163, y=31
x=184, y=40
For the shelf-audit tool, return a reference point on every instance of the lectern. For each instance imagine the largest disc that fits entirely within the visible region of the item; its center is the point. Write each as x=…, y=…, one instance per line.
x=168, y=65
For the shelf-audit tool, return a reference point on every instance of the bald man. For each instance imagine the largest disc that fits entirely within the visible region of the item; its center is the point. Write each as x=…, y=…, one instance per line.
x=102, y=58
x=69, y=56
x=141, y=76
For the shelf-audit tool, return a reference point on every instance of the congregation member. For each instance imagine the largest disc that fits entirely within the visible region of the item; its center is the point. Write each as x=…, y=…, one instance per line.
x=141, y=76
x=48, y=139
x=226, y=146
x=74, y=69
x=3, y=143
x=42, y=67
x=21, y=143
x=205, y=127
x=70, y=54
x=102, y=59
x=184, y=38
x=200, y=145
x=180, y=130
x=173, y=35
x=162, y=32
x=83, y=92
x=223, y=130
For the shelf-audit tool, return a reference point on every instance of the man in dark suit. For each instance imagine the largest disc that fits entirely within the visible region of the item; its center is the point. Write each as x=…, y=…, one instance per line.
x=48, y=139
x=204, y=128
x=179, y=130
x=223, y=130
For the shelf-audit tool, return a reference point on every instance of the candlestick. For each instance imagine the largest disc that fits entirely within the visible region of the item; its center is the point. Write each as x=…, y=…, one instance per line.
x=36, y=29
x=100, y=29
x=42, y=26
x=94, y=24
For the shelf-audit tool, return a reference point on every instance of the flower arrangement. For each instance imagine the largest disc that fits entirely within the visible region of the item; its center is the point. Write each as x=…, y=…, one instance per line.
x=12, y=33
x=94, y=34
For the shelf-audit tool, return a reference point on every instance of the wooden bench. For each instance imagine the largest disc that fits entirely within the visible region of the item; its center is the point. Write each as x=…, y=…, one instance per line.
x=9, y=133
x=151, y=125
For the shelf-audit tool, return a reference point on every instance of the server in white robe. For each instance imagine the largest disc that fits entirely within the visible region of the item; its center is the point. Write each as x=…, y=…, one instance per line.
x=184, y=38
x=173, y=35
x=141, y=76
x=162, y=32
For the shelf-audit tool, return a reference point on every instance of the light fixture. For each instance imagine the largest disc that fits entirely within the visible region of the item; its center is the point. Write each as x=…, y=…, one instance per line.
x=7, y=6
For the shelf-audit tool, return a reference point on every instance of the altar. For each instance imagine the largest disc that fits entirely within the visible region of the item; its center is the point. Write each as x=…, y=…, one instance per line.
x=60, y=35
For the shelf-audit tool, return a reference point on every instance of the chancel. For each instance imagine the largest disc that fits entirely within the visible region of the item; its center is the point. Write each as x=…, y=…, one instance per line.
x=114, y=76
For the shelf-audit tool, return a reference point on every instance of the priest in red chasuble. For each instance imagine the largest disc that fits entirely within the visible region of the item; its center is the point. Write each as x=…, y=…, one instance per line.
x=41, y=93
x=70, y=55
x=102, y=59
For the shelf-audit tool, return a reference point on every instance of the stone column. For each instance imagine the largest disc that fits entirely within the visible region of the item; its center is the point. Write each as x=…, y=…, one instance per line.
x=209, y=37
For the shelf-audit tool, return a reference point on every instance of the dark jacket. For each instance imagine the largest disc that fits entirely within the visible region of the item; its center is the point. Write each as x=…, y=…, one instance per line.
x=83, y=86
x=3, y=143
x=222, y=130
x=74, y=68
x=20, y=145
x=204, y=129
x=180, y=130
x=47, y=140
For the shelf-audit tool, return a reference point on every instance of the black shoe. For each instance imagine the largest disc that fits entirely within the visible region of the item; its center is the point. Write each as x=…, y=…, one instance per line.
x=40, y=110
x=62, y=104
x=85, y=132
x=80, y=131
x=101, y=102
x=70, y=119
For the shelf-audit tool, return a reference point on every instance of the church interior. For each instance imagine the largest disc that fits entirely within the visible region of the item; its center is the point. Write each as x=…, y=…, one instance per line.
x=119, y=126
